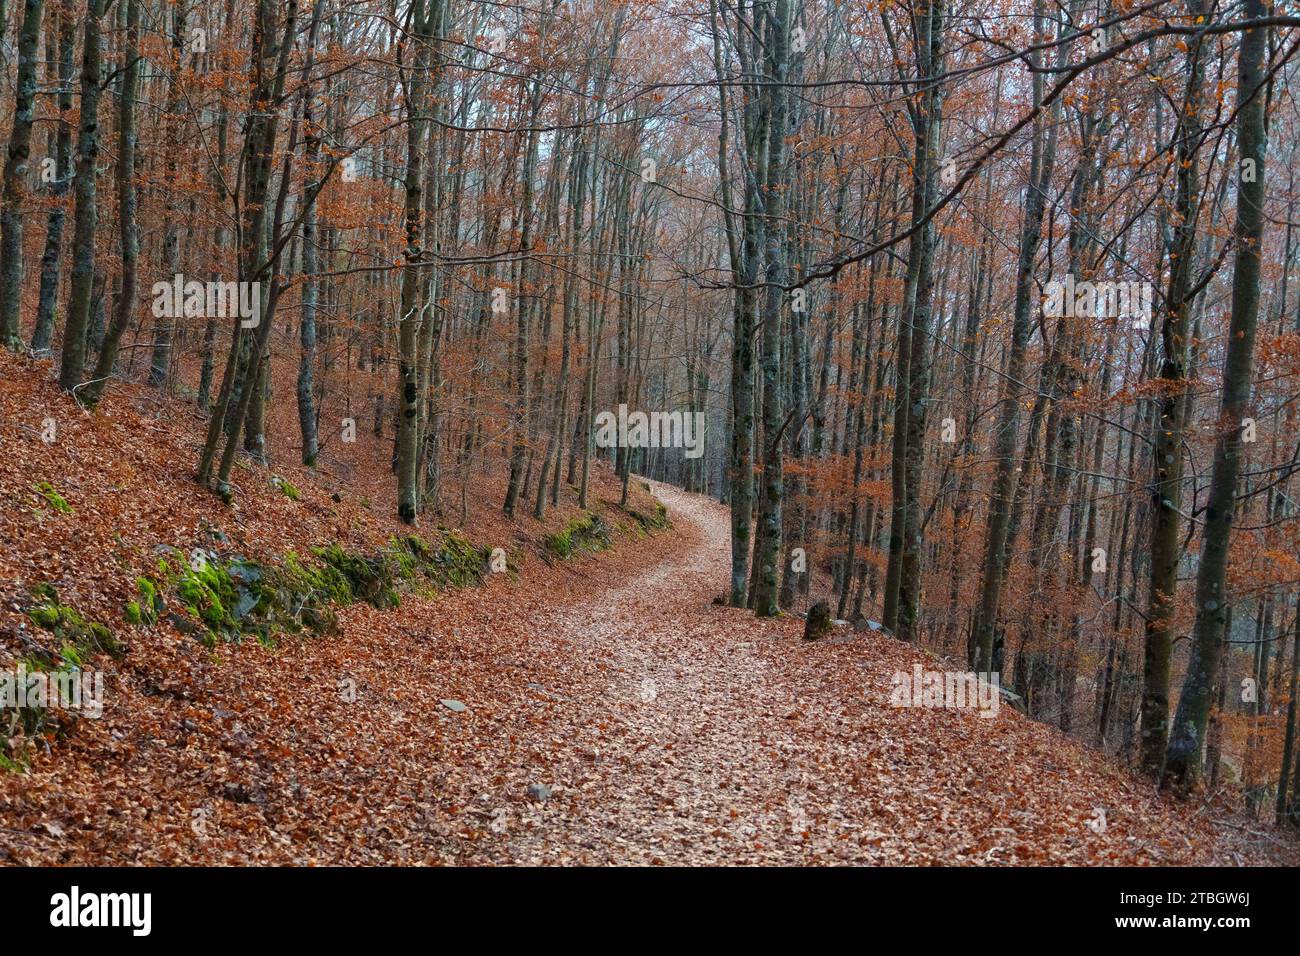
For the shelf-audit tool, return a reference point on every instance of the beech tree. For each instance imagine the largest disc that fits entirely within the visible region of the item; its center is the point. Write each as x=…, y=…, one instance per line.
x=982, y=317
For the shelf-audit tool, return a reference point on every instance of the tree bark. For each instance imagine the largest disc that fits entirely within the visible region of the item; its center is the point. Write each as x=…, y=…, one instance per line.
x=15, y=192
x=86, y=213
x=1184, y=760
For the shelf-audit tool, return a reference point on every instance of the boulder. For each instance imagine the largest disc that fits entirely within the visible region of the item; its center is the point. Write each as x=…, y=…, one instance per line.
x=818, y=623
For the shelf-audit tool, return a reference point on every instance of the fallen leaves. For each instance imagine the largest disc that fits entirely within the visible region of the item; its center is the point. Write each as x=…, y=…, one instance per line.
x=595, y=712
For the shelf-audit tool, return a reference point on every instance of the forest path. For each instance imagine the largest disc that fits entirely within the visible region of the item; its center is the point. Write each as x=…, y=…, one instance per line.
x=693, y=717
x=691, y=733
x=601, y=710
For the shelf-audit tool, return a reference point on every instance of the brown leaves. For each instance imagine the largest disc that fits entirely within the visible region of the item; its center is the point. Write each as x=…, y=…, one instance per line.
x=665, y=729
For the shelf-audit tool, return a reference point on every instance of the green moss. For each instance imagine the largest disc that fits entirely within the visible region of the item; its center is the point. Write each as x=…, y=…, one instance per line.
x=68, y=626
x=239, y=598
x=78, y=640
x=460, y=563
x=292, y=597
x=12, y=764
x=236, y=597
x=209, y=595
x=408, y=555
x=655, y=521
x=585, y=534
x=46, y=617
x=456, y=563
x=362, y=578
x=144, y=611
x=53, y=498
x=289, y=491
x=325, y=582
x=559, y=543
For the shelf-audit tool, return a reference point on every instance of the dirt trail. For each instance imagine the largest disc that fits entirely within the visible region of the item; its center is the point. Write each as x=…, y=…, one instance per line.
x=685, y=712
x=602, y=711
x=717, y=738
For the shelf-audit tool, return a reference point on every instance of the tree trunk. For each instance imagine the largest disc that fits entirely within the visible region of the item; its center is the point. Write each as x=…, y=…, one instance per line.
x=20, y=139
x=61, y=140
x=1183, y=762
x=126, y=204
x=86, y=214
x=1167, y=460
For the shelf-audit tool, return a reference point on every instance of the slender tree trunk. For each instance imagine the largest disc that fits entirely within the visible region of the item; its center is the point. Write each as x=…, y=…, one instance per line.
x=523, y=300
x=15, y=192
x=126, y=205
x=412, y=307
x=768, y=557
x=918, y=312
x=62, y=152
x=306, y=387
x=161, y=359
x=1183, y=763
x=1284, y=802
x=1167, y=458
x=1006, y=432
x=86, y=214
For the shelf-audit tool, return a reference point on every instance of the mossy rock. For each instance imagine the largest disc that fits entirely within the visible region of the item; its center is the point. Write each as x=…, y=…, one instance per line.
x=291, y=598
x=287, y=488
x=585, y=534
x=73, y=631
x=245, y=598
x=456, y=563
x=209, y=594
x=361, y=578
x=240, y=597
x=654, y=521
x=78, y=639
x=460, y=562
x=145, y=610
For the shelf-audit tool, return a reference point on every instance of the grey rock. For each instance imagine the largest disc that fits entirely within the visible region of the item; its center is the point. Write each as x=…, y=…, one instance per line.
x=243, y=793
x=182, y=624
x=539, y=791
x=453, y=705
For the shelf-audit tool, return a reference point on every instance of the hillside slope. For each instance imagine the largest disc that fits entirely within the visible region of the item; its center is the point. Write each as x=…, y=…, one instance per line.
x=598, y=709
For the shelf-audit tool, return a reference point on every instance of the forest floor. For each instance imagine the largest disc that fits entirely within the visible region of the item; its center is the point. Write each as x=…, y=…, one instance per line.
x=595, y=710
